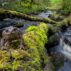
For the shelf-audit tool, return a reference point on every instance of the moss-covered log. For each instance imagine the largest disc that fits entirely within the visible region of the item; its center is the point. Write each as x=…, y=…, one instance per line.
x=12, y=14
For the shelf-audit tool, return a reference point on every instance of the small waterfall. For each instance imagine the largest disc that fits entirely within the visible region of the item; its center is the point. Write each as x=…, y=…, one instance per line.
x=65, y=44
x=64, y=48
x=62, y=51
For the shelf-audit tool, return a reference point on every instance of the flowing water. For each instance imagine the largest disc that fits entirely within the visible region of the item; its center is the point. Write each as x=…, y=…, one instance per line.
x=64, y=49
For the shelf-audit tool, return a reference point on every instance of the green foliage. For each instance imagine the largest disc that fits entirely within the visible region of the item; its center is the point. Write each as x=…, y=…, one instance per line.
x=34, y=6
x=25, y=6
x=67, y=6
x=55, y=4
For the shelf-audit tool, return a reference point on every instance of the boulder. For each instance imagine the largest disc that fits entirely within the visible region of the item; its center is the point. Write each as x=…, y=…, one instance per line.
x=11, y=36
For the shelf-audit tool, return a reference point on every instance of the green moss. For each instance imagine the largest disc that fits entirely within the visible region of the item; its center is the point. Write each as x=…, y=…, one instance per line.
x=31, y=28
x=35, y=37
x=4, y=58
x=16, y=64
x=66, y=6
x=19, y=53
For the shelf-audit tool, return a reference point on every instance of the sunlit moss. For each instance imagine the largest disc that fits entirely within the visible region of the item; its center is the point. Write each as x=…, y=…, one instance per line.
x=36, y=39
x=4, y=58
x=19, y=53
x=16, y=64
x=31, y=28
x=32, y=67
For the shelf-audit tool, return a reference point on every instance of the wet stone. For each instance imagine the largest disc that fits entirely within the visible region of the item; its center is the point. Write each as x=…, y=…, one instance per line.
x=11, y=36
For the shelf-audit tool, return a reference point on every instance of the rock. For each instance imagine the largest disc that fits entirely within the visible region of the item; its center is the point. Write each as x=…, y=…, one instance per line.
x=49, y=67
x=52, y=41
x=67, y=37
x=11, y=36
x=11, y=33
x=57, y=59
x=67, y=40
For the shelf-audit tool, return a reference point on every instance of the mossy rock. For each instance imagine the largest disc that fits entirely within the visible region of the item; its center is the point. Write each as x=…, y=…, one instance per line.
x=35, y=37
x=30, y=59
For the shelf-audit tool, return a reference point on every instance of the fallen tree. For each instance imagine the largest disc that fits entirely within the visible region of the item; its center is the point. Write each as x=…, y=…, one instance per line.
x=12, y=14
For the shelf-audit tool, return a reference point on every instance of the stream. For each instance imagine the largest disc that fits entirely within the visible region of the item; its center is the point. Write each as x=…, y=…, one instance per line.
x=63, y=48
x=61, y=53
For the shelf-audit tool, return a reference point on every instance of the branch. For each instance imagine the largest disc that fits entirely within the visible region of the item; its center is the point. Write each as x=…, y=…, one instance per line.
x=12, y=14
